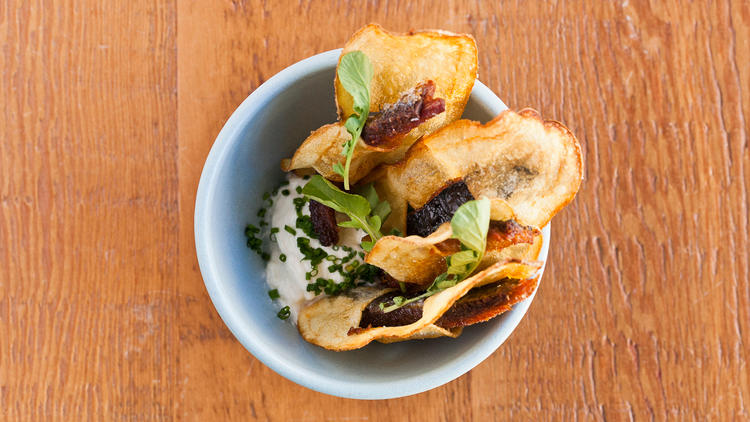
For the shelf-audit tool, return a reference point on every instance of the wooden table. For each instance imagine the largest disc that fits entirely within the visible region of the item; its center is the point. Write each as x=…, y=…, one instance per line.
x=110, y=108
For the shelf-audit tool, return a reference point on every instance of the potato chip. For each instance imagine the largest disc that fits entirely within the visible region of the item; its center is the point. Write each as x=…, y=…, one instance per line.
x=327, y=322
x=411, y=259
x=400, y=63
x=484, y=303
x=534, y=165
x=430, y=331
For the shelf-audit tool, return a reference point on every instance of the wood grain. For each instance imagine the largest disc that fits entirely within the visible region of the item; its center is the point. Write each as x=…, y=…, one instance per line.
x=110, y=109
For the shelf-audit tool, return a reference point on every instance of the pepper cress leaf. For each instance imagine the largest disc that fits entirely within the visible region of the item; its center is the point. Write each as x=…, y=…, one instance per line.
x=369, y=192
x=351, y=125
x=323, y=191
x=380, y=208
x=352, y=224
x=461, y=262
x=356, y=207
x=355, y=73
x=470, y=224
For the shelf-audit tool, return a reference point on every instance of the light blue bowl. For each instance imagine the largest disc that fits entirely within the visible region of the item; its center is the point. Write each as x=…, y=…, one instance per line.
x=243, y=163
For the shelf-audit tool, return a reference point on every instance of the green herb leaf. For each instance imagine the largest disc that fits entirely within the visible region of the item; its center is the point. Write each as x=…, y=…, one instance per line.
x=338, y=168
x=470, y=224
x=374, y=222
x=351, y=224
x=355, y=73
x=327, y=194
x=369, y=192
x=382, y=210
x=274, y=294
x=379, y=208
x=356, y=207
x=445, y=284
x=461, y=263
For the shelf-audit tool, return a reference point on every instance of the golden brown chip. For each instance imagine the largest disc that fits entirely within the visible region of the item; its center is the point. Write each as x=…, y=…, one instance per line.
x=418, y=260
x=532, y=164
x=327, y=321
x=411, y=259
x=430, y=331
x=484, y=303
x=400, y=62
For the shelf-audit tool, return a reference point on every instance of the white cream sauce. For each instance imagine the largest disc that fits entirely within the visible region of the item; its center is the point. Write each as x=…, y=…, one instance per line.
x=288, y=277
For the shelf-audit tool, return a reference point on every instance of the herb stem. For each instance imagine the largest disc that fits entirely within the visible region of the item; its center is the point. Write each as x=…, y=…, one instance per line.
x=348, y=163
x=407, y=301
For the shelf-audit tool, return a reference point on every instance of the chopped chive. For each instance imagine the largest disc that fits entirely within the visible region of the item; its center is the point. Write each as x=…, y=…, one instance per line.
x=285, y=192
x=262, y=212
x=251, y=229
x=274, y=294
x=304, y=223
x=290, y=230
x=282, y=258
x=284, y=312
x=299, y=203
x=299, y=190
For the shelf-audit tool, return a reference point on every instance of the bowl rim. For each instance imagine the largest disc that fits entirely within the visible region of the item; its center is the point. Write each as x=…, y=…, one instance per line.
x=295, y=373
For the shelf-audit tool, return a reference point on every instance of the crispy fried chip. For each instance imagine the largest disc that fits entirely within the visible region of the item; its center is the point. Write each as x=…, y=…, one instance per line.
x=326, y=322
x=484, y=303
x=400, y=63
x=430, y=331
x=411, y=259
x=532, y=164
x=418, y=260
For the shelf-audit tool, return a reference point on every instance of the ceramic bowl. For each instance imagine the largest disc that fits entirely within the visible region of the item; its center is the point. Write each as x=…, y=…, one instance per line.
x=243, y=163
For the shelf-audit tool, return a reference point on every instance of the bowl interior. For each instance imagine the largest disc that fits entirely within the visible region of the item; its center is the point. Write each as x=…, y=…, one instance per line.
x=244, y=163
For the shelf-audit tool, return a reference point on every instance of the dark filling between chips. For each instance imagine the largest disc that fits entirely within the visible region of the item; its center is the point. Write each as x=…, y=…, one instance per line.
x=411, y=110
x=324, y=225
x=438, y=210
x=480, y=304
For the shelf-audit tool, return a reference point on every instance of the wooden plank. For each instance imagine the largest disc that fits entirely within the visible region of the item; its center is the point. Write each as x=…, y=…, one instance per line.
x=88, y=210
x=644, y=307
